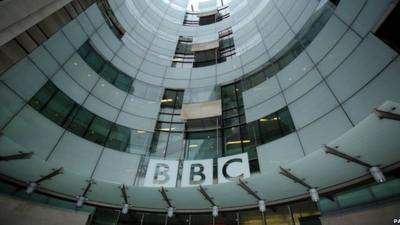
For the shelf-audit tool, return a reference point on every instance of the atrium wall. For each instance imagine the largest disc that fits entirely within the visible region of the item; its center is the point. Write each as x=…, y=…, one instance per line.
x=330, y=87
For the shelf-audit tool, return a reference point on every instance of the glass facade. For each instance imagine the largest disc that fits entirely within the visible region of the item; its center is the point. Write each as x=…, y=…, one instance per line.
x=196, y=19
x=294, y=48
x=116, y=77
x=62, y=110
x=168, y=140
x=186, y=58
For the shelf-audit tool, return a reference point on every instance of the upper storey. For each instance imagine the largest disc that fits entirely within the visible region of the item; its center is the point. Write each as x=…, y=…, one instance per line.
x=260, y=29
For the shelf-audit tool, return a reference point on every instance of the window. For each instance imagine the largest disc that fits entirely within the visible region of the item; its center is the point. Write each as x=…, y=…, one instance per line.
x=59, y=108
x=388, y=31
x=105, y=69
x=199, y=19
x=186, y=58
x=168, y=138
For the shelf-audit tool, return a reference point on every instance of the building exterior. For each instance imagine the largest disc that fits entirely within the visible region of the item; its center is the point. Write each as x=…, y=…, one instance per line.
x=199, y=111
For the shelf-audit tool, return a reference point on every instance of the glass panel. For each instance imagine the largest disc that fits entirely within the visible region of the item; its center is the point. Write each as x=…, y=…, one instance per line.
x=119, y=138
x=109, y=73
x=58, y=108
x=43, y=96
x=139, y=142
x=228, y=97
x=269, y=128
x=175, y=146
x=98, y=130
x=95, y=61
x=81, y=122
x=165, y=117
x=232, y=141
x=159, y=144
x=123, y=82
x=202, y=145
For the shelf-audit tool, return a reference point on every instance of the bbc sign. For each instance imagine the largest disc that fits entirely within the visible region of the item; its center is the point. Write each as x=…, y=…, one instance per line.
x=196, y=172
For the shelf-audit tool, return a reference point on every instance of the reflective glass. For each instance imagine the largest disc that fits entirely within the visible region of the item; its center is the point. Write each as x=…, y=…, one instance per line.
x=43, y=96
x=81, y=122
x=119, y=138
x=98, y=130
x=58, y=108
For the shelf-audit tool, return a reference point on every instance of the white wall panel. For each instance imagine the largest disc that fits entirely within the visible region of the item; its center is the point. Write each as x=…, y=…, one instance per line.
x=338, y=54
x=295, y=70
x=24, y=78
x=109, y=93
x=75, y=34
x=141, y=107
x=279, y=152
x=59, y=46
x=135, y=122
x=117, y=167
x=76, y=154
x=100, y=108
x=384, y=87
x=81, y=72
x=314, y=104
x=24, y=127
x=302, y=86
x=326, y=38
x=10, y=104
x=261, y=92
x=324, y=130
x=46, y=63
x=265, y=108
x=363, y=64
x=69, y=87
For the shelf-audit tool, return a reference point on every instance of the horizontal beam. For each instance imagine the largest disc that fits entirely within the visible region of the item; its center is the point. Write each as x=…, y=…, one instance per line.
x=294, y=178
x=245, y=187
x=124, y=195
x=387, y=115
x=50, y=175
x=206, y=196
x=27, y=155
x=342, y=155
x=165, y=196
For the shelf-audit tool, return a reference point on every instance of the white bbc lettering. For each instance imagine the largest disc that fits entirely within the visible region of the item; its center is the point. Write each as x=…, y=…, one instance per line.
x=161, y=173
x=196, y=172
x=233, y=167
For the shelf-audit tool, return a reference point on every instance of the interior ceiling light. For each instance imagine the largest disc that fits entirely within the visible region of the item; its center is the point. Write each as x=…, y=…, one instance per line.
x=125, y=208
x=261, y=206
x=166, y=100
x=266, y=119
x=377, y=174
x=193, y=146
x=215, y=211
x=314, y=194
x=167, y=129
x=170, y=212
x=31, y=188
x=237, y=142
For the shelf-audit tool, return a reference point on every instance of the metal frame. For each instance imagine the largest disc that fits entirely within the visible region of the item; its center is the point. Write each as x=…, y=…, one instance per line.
x=342, y=155
x=289, y=175
x=50, y=175
x=387, y=115
x=21, y=155
x=163, y=192
x=206, y=196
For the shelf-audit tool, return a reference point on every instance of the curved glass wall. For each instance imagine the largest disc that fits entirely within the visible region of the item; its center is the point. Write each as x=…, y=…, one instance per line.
x=294, y=48
x=62, y=110
x=168, y=137
x=116, y=77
